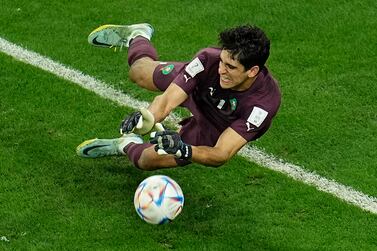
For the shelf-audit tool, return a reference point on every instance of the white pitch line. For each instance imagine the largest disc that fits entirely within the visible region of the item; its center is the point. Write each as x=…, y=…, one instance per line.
x=345, y=193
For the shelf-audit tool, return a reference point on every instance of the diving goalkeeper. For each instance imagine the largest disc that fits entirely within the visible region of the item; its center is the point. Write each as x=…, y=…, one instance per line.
x=229, y=91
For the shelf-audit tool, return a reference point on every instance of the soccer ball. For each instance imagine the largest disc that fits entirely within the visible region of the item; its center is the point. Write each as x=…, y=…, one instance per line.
x=158, y=199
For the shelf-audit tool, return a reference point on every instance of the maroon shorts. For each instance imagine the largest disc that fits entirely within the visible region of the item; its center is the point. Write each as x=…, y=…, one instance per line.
x=164, y=74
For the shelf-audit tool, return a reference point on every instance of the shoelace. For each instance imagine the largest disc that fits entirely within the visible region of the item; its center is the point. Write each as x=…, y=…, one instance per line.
x=121, y=41
x=122, y=44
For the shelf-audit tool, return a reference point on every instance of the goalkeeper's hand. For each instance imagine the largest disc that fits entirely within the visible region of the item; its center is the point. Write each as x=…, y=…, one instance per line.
x=140, y=122
x=170, y=142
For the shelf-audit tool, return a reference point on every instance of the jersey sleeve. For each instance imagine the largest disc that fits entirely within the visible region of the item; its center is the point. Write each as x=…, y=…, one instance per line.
x=253, y=126
x=187, y=79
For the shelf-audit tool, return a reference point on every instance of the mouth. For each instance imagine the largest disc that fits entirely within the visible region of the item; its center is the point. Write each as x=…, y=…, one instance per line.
x=225, y=80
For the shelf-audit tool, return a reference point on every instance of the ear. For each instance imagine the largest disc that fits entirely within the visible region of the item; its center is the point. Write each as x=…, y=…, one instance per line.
x=253, y=71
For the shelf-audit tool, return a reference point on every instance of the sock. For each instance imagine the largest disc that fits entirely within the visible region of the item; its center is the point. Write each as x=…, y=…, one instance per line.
x=134, y=151
x=141, y=47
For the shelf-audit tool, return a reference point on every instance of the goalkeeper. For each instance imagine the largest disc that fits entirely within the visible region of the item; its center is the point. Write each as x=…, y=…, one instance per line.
x=229, y=91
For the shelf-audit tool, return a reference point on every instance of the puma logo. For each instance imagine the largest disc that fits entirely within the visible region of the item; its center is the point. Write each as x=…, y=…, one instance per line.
x=186, y=77
x=249, y=127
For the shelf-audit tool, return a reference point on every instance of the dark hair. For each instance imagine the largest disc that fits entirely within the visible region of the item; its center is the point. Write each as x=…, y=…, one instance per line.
x=248, y=44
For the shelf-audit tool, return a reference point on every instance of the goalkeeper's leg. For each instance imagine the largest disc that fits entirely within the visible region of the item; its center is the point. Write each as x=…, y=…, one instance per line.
x=145, y=69
x=145, y=157
x=142, y=155
x=142, y=59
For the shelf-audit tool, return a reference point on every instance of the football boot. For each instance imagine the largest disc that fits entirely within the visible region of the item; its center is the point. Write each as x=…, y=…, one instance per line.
x=118, y=36
x=95, y=148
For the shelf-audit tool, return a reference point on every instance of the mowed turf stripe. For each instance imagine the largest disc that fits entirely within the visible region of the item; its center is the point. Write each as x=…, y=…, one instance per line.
x=346, y=193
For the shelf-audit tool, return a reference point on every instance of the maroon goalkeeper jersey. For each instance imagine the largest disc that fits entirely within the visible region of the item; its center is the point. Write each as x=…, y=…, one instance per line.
x=214, y=109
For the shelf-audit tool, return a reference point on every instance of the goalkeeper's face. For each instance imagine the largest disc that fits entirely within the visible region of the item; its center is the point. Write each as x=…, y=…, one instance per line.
x=233, y=74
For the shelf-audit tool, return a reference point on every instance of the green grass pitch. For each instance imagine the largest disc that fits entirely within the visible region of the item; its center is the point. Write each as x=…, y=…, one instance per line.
x=324, y=56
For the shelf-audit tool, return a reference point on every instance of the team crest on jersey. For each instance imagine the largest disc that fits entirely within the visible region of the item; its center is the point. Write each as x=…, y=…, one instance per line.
x=233, y=104
x=167, y=69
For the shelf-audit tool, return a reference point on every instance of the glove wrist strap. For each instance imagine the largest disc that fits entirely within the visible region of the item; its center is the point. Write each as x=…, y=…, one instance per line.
x=187, y=152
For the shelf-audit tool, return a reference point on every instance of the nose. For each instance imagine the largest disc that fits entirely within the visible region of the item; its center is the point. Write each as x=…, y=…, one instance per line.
x=222, y=69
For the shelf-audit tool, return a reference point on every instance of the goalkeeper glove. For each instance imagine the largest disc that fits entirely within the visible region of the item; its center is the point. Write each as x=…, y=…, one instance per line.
x=170, y=142
x=140, y=122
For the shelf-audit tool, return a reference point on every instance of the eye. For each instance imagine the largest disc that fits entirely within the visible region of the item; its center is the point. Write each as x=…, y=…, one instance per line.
x=227, y=65
x=231, y=67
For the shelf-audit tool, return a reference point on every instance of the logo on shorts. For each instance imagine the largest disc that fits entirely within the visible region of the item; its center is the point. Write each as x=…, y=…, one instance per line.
x=167, y=69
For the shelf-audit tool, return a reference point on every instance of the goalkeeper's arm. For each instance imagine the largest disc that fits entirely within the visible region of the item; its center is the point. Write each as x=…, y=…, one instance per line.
x=170, y=142
x=163, y=104
x=142, y=121
x=228, y=144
